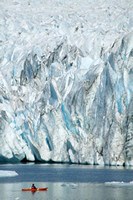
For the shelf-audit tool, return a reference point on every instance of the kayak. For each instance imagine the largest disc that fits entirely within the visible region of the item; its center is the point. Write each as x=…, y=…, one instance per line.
x=34, y=189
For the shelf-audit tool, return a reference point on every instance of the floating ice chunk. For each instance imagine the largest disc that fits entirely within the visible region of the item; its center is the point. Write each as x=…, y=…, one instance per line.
x=72, y=185
x=116, y=183
x=5, y=173
x=64, y=185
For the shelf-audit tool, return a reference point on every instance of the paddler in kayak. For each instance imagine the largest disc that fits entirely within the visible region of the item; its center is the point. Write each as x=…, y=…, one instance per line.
x=33, y=186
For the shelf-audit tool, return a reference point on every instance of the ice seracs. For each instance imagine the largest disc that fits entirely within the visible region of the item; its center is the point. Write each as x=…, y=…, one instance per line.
x=66, y=81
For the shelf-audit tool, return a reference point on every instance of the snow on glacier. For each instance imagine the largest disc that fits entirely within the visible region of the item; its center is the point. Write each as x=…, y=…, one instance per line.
x=66, y=89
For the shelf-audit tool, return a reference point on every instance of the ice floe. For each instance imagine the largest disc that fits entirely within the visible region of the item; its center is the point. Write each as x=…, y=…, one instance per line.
x=5, y=173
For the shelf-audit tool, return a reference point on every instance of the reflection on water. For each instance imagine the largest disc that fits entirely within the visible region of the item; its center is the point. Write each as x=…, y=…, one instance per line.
x=67, y=191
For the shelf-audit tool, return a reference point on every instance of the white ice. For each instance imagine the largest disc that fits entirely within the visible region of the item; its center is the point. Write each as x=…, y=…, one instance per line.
x=6, y=173
x=66, y=89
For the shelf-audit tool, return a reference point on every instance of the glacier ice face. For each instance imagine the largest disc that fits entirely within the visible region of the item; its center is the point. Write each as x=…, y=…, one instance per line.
x=66, y=89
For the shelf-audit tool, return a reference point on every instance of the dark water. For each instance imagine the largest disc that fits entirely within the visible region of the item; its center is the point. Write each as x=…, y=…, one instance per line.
x=67, y=182
x=66, y=173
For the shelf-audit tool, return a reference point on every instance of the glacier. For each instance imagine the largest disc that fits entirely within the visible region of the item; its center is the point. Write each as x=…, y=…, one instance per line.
x=66, y=89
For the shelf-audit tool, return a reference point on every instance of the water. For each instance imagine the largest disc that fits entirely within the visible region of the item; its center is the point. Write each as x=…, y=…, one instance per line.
x=67, y=182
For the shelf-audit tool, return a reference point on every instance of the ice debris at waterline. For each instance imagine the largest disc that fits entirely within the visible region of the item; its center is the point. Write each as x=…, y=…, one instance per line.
x=66, y=81
x=116, y=183
x=5, y=173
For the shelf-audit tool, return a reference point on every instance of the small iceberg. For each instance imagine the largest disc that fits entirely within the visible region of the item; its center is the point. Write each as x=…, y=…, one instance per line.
x=115, y=183
x=72, y=185
x=5, y=173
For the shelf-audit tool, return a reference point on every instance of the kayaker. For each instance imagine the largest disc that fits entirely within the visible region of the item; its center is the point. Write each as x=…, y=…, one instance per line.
x=33, y=186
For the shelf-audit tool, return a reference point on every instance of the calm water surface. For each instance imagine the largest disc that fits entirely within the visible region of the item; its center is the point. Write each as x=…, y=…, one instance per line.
x=67, y=182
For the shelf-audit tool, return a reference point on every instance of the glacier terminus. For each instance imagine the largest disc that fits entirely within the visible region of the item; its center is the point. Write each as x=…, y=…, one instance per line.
x=66, y=81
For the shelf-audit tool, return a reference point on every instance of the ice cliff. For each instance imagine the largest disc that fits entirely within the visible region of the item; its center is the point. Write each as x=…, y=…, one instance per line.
x=66, y=81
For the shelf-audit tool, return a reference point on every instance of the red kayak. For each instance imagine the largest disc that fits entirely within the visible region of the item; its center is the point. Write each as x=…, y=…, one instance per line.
x=34, y=189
